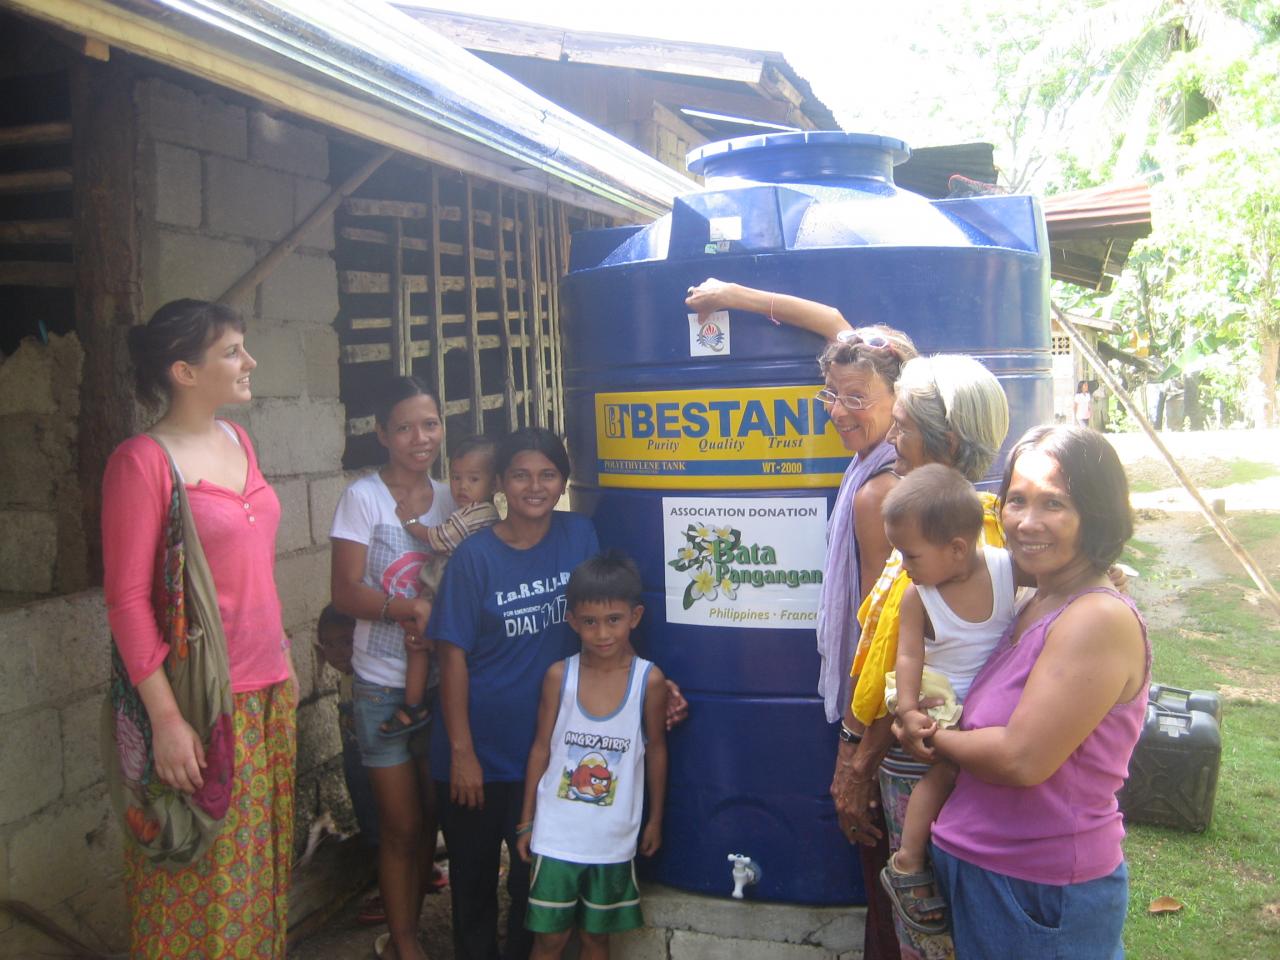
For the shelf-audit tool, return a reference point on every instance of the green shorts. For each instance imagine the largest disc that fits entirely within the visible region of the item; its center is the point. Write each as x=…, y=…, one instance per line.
x=597, y=898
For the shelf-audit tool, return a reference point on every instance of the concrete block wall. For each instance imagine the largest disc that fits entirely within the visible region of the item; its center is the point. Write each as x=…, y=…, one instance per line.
x=59, y=840
x=222, y=182
x=42, y=551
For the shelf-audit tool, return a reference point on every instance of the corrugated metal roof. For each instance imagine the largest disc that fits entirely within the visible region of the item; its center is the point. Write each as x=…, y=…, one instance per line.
x=929, y=169
x=1122, y=210
x=1092, y=231
x=381, y=56
x=678, y=57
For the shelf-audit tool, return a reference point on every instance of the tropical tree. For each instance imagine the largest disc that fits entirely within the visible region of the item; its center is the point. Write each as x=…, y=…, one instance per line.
x=1147, y=92
x=1214, y=261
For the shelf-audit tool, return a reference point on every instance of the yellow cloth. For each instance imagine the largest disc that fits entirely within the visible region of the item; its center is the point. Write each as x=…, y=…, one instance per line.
x=878, y=646
x=933, y=685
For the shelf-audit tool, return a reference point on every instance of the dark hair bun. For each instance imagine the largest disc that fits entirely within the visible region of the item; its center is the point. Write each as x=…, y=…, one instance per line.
x=181, y=330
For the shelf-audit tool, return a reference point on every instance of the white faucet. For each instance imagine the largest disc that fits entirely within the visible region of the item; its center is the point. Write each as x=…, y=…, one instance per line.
x=745, y=872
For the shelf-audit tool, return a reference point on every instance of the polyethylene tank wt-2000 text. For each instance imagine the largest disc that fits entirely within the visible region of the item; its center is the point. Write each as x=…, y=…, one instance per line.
x=699, y=448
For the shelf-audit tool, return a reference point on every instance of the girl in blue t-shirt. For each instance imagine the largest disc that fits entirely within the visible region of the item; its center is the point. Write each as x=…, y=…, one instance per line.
x=499, y=623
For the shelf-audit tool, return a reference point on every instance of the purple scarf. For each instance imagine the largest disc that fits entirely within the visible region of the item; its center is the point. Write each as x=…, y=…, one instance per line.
x=841, y=592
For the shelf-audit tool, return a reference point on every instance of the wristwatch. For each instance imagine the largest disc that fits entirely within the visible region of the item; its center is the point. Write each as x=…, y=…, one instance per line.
x=412, y=522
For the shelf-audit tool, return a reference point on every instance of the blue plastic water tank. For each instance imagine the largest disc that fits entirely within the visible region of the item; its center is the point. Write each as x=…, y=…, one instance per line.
x=699, y=449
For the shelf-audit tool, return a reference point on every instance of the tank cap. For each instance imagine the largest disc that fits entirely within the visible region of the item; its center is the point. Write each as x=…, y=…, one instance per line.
x=804, y=156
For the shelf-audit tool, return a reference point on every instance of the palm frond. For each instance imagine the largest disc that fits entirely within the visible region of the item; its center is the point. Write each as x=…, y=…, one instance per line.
x=1140, y=63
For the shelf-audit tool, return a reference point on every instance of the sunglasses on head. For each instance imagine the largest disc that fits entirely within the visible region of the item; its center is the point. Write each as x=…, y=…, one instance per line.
x=868, y=337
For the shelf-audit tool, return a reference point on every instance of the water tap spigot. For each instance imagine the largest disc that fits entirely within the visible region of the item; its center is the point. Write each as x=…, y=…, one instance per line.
x=745, y=872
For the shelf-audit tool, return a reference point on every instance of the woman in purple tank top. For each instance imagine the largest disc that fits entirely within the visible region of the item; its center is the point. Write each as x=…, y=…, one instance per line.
x=1027, y=850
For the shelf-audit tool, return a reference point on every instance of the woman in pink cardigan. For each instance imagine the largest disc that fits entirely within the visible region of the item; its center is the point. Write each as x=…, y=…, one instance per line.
x=191, y=359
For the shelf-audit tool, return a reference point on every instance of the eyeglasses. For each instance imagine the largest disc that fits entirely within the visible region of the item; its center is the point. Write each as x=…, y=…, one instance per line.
x=868, y=337
x=896, y=429
x=830, y=398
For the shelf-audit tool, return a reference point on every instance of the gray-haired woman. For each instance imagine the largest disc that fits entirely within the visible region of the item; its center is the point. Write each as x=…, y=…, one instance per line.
x=859, y=369
x=947, y=409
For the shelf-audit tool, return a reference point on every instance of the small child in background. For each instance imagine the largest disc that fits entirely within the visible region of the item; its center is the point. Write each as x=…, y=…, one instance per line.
x=335, y=634
x=959, y=604
x=601, y=720
x=473, y=482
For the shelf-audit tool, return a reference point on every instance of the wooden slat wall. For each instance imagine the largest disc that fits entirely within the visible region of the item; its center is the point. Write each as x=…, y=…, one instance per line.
x=38, y=235
x=455, y=280
x=37, y=243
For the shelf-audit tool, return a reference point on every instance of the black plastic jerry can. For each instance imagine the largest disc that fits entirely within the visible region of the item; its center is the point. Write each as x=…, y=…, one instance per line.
x=1173, y=776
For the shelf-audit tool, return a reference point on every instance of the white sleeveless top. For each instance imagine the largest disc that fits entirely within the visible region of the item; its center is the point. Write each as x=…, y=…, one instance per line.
x=960, y=647
x=590, y=799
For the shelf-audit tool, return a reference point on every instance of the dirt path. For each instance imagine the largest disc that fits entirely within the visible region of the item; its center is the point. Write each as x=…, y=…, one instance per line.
x=1168, y=518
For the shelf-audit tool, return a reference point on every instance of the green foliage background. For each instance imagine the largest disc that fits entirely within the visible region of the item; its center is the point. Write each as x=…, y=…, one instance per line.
x=1184, y=94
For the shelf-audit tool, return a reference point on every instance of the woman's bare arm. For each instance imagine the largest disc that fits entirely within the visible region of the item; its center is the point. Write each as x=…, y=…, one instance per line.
x=712, y=295
x=868, y=528
x=352, y=596
x=1093, y=659
x=466, y=777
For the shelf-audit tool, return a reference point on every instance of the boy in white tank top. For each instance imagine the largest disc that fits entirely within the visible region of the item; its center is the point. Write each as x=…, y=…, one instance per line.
x=601, y=738
x=959, y=604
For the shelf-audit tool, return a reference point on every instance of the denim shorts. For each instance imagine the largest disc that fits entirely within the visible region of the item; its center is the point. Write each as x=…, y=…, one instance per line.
x=374, y=705
x=996, y=916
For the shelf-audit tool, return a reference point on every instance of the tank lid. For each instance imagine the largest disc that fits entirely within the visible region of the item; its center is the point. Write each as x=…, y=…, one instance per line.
x=807, y=156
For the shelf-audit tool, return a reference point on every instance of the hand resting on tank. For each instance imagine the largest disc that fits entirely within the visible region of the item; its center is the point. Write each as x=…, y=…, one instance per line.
x=781, y=308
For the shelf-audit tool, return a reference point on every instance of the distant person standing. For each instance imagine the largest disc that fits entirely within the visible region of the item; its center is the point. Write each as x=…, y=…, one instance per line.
x=1083, y=401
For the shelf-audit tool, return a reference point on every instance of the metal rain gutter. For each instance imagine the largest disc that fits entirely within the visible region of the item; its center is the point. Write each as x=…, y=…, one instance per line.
x=368, y=46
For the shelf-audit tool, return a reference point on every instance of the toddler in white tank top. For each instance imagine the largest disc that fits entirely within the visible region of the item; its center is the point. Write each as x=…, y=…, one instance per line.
x=958, y=607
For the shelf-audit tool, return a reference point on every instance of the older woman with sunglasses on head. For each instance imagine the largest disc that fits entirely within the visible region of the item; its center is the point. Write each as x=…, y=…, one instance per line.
x=859, y=369
x=947, y=409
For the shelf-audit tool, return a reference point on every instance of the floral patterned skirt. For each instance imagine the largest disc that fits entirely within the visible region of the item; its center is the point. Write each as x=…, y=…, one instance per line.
x=233, y=902
x=898, y=777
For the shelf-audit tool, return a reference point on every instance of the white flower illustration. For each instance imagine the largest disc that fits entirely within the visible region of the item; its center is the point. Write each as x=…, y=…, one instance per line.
x=704, y=585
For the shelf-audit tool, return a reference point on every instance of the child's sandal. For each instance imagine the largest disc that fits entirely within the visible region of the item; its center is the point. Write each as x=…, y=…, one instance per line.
x=406, y=719
x=912, y=910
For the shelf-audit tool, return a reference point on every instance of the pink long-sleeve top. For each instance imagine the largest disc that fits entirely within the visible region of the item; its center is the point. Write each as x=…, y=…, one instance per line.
x=238, y=533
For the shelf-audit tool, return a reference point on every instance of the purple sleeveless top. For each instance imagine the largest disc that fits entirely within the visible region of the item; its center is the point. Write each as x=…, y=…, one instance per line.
x=1067, y=829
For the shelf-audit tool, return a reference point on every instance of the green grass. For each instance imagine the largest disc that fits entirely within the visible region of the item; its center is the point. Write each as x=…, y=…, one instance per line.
x=1143, y=557
x=1250, y=528
x=1247, y=471
x=1210, y=475
x=1227, y=876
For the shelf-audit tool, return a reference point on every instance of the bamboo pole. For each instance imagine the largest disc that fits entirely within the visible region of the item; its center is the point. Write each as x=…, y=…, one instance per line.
x=504, y=307
x=437, y=295
x=469, y=304
x=1233, y=544
x=246, y=284
x=522, y=306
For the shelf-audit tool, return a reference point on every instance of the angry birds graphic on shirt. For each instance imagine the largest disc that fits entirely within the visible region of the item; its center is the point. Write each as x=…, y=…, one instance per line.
x=591, y=781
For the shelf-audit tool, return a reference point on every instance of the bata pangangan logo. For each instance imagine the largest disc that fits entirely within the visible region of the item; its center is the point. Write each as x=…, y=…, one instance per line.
x=710, y=336
x=719, y=563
